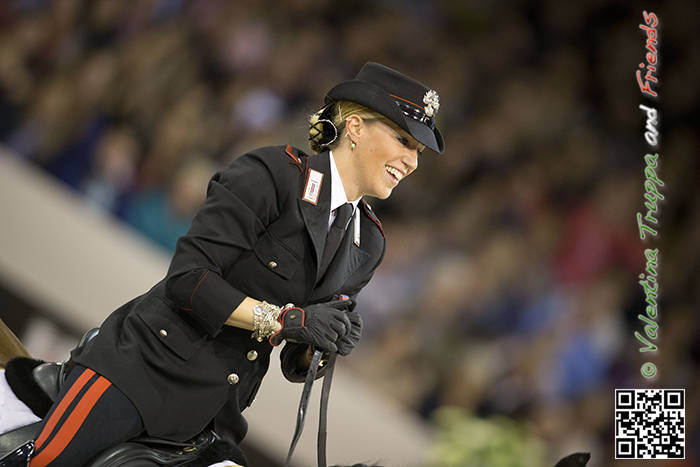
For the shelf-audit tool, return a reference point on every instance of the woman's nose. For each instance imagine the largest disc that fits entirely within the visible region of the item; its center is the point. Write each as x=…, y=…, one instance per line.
x=410, y=159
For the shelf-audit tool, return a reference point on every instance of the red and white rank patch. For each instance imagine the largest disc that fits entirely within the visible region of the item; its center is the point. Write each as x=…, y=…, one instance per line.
x=313, y=186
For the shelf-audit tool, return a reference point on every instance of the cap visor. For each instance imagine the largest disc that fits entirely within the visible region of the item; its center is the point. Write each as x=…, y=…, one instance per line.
x=424, y=135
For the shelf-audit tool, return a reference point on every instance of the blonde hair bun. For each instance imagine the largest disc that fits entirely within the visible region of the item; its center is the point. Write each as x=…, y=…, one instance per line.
x=322, y=131
x=326, y=125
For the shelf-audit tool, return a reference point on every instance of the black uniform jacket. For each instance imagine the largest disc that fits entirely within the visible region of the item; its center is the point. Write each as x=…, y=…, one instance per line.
x=169, y=350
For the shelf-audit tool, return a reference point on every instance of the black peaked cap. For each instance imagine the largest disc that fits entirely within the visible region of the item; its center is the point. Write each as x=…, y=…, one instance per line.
x=403, y=100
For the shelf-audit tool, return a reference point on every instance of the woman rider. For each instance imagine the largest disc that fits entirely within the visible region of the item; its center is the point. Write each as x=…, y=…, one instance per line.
x=281, y=236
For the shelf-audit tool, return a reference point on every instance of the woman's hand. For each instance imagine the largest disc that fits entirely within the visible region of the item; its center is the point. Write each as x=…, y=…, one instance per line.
x=347, y=343
x=321, y=325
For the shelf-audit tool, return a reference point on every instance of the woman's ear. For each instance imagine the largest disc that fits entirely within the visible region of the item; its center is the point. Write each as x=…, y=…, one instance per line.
x=353, y=127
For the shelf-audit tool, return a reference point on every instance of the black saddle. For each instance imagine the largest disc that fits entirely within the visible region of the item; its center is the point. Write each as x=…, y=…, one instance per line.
x=40, y=383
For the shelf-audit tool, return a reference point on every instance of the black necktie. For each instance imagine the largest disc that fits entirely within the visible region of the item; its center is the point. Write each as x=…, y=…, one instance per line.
x=335, y=235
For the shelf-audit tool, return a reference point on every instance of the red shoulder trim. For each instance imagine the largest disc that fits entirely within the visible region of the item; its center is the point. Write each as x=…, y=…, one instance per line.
x=372, y=216
x=297, y=161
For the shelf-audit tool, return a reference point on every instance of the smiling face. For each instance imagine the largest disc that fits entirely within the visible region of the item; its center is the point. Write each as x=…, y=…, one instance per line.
x=385, y=155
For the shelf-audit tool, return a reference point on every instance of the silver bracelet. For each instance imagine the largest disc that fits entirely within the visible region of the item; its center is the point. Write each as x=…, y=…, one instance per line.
x=264, y=317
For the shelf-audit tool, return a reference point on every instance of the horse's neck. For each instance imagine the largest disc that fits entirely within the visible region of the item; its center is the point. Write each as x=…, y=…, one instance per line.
x=10, y=346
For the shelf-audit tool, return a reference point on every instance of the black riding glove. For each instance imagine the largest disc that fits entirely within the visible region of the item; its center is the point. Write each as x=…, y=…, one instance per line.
x=347, y=343
x=320, y=325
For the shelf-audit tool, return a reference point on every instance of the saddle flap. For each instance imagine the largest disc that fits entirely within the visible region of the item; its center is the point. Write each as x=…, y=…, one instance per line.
x=16, y=441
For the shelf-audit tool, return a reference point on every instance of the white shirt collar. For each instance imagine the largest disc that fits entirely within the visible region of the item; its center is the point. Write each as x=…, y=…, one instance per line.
x=338, y=197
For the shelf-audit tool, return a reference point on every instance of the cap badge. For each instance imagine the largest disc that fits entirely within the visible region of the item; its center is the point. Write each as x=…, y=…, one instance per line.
x=432, y=102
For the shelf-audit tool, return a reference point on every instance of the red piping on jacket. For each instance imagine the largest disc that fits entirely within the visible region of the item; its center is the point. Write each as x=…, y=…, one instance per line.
x=197, y=286
x=373, y=218
x=297, y=162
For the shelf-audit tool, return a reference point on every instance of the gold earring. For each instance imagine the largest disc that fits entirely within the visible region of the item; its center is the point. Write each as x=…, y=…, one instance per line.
x=352, y=143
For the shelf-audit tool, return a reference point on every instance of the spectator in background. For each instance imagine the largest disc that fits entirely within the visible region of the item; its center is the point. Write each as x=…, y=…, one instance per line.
x=113, y=170
x=164, y=215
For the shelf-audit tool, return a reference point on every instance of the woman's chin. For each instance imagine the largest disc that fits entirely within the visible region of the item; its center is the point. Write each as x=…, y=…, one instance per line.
x=385, y=193
x=380, y=191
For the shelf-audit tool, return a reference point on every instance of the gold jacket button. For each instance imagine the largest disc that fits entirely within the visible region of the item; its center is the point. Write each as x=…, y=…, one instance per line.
x=163, y=333
x=272, y=264
x=252, y=355
x=233, y=378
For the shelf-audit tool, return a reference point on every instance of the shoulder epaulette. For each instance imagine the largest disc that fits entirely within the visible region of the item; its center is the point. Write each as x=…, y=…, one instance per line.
x=368, y=211
x=296, y=161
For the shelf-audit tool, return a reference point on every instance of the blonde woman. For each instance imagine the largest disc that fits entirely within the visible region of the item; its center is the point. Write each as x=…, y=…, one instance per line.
x=278, y=252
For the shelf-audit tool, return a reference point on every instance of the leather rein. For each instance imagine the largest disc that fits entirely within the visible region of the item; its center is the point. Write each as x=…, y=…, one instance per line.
x=304, y=404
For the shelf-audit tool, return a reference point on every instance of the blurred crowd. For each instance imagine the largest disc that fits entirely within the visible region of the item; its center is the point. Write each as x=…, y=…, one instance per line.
x=509, y=286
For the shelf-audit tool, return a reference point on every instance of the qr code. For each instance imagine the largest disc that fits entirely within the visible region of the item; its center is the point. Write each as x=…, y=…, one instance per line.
x=649, y=424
